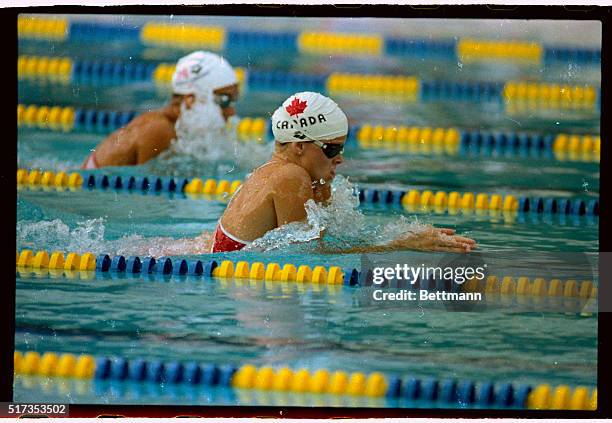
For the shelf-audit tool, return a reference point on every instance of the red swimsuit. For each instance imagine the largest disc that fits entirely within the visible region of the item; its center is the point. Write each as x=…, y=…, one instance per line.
x=224, y=242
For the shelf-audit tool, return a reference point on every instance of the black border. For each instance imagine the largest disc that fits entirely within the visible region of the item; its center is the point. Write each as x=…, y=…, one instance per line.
x=8, y=28
x=8, y=181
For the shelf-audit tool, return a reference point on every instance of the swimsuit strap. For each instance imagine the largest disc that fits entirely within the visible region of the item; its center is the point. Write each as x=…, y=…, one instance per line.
x=230, y=236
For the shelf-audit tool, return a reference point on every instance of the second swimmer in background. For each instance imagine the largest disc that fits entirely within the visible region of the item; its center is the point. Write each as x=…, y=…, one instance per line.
x=205, y=89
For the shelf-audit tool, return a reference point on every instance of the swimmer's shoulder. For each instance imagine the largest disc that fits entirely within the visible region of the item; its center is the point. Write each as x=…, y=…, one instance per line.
x=276, y=171
x=289, y=176
x=152, y=125
x=153, y=120
x=274, y=177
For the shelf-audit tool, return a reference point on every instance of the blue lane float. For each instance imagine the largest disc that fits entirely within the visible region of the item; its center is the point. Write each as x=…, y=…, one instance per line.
x=180, y=267
x=583, y=56
x=486, y=394
x=575, y=207
x=137, y=370
x=118, y=264
x=133, y=265
x=163, y=266
x=103, y=263
x=96, y=31
x=148, y=265
x=176, y=266
x=420, y=47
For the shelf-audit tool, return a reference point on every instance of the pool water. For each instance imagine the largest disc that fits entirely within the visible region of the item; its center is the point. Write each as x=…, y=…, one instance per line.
x=294, y=325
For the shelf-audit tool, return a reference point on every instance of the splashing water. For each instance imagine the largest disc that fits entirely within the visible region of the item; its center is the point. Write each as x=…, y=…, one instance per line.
x=204, y=140
x=56, y=235
x=88, y=236
x=343, y=223
x=203, y=116
x=47, y=163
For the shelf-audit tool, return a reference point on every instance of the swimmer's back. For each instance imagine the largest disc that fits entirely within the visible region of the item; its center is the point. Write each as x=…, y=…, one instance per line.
x=261, y=203
x=140, y=140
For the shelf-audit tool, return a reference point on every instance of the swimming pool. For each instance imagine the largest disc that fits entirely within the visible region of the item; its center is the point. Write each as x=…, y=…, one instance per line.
x=231, y=322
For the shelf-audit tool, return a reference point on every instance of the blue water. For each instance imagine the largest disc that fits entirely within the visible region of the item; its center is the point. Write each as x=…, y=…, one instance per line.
x=341, y=328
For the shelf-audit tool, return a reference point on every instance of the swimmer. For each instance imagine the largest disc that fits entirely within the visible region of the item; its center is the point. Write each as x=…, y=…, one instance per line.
x=205, y=89
x=309, y=131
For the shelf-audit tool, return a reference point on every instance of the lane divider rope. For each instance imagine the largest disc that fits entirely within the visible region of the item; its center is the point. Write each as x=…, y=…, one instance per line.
x=190, y=36
x=183, y=36
x=551, y=95
x=52, y=69
x=539, y=287
x=405, y=88
x=376, y=136
x=473, y=50
x=338, y=43
x=368, y=136
x=194, y=186
x=319, y=381
x=258, y=271
x=412, y=200
x=226, y=269
x=442, y=201
x=55, y=29
x=582, y=304
x=66, y=119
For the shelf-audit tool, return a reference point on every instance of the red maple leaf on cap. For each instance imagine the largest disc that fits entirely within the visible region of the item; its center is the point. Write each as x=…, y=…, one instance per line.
x=296, y=107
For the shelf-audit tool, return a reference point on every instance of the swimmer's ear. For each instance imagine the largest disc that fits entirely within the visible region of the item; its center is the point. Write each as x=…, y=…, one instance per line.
x=189, y=99
x=299, y=148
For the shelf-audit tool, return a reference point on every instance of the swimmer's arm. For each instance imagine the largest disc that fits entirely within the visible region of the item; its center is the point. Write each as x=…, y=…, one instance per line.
x=431, y=239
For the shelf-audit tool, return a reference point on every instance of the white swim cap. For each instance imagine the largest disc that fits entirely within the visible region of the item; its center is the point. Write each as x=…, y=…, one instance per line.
x=202, y=72
x=308, y=116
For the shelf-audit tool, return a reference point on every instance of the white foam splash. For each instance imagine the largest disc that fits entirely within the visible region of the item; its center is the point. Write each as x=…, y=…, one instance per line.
x=56, y=235
x=163, y=246
x=203, y=116
x=48, y=163
x=217, y=148
x=89, y=236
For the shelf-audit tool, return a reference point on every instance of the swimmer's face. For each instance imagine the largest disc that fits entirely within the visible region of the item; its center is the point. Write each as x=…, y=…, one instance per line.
x=318, y=165
x=226, y=97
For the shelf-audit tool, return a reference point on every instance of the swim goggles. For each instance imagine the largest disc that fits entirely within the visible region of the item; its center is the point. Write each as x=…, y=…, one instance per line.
x=330, y=150
x=224, y=100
